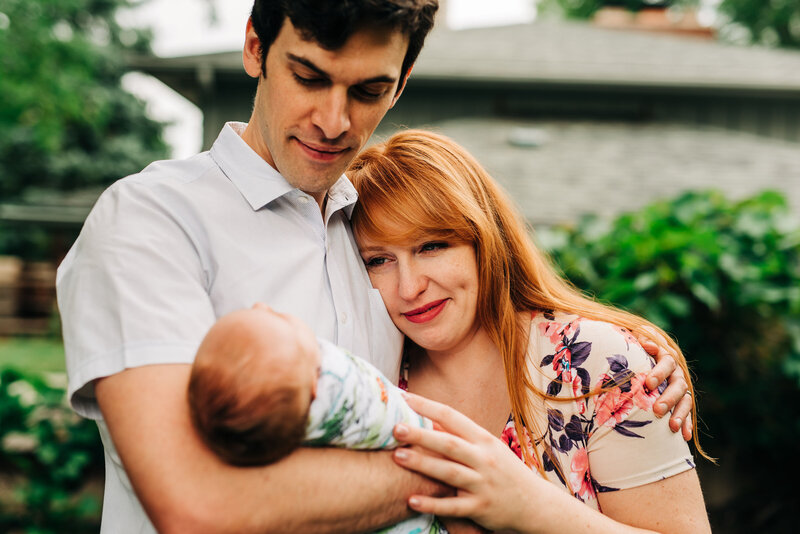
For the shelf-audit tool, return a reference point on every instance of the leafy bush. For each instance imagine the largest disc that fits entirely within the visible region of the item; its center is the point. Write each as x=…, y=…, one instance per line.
x=47, y=456
x=724, y=278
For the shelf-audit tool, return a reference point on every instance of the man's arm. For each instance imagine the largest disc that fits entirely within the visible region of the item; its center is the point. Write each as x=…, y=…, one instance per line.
x=185, y=488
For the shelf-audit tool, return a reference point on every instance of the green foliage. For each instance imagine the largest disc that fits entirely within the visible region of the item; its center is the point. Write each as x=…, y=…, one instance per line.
x=723, y=278
x=48, y=453
x=775, y=23
x=34, y=355
x=585, y=9
x=65, y=122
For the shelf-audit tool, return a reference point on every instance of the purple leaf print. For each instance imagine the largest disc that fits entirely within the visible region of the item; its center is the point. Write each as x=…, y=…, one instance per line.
x=574, y=429
x=580, y=351
x=583, y=374
x=547, y=360
x=621, y=428
x=617, y=363
x=574, y=337
x=599, y=488
x=555, y=419
x=554, y=387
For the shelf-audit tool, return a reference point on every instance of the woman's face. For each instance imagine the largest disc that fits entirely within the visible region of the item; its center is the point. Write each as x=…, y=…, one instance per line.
x=429, y=287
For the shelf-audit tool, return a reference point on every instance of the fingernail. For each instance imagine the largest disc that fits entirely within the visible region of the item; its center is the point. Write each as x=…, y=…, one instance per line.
x=400, y=430
x=401, y=454
x=678, y=422
x=662, y=409
x=413, y=501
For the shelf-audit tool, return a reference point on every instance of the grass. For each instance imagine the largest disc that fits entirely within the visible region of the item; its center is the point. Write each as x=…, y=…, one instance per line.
x=32, y=355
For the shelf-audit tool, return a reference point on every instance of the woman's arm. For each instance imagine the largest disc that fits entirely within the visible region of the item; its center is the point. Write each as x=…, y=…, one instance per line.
x=501, y=493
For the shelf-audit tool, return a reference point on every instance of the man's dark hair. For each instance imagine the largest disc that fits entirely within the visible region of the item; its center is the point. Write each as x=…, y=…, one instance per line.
x=330, y=23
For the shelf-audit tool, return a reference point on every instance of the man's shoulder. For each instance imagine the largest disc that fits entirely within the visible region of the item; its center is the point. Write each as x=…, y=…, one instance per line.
x=169, y=173
x=162, y=185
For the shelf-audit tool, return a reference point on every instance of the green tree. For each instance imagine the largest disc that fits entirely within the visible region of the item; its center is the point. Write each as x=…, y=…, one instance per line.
x=65, y=121
x=775, y=23
x=724, y=278
x=584, y=9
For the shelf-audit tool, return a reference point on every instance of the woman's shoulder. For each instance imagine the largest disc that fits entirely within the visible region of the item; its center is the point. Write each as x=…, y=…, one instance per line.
x=594, y=349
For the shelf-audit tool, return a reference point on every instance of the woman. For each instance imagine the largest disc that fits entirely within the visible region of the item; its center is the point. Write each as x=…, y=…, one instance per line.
x=492, y=330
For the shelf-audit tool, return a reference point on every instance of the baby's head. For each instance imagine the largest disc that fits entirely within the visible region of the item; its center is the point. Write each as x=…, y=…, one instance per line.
x=252, y=383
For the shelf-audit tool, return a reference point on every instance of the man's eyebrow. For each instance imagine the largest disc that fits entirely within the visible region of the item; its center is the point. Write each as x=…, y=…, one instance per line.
x=303, y=61
x=309, y=64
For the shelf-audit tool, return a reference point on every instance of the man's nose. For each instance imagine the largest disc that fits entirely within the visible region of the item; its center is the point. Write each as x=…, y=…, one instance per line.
x=332, y=115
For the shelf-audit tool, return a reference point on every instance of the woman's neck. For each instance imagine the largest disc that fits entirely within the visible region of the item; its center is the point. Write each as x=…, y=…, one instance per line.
x=470, y=378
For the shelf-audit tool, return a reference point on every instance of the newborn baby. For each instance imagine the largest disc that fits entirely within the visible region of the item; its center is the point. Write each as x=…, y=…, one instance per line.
x=263, y=385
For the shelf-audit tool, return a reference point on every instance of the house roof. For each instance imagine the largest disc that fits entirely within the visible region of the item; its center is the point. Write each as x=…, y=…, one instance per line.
x=580, y=53
x=557, y=171
x=564, y=53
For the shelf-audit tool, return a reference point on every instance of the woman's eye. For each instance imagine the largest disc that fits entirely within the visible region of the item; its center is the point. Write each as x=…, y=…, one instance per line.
x=375, y=262
x=433, y=246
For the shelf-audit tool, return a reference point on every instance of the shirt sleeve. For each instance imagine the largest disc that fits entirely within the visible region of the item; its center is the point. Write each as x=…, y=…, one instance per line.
x=629, y=446
x=356, y=406
x=131, y=291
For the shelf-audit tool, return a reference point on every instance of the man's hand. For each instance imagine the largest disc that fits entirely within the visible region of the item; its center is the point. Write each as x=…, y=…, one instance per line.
x=676, y=396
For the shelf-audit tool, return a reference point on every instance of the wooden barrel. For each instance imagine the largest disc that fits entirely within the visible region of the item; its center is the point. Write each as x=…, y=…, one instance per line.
x=10, y=270
x=37, y=289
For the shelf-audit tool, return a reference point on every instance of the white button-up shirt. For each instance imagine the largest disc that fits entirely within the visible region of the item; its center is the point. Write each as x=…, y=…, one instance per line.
x=166, y=252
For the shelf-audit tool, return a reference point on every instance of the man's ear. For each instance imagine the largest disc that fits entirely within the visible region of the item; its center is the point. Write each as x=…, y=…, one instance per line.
x=401, y=86
x=251, y=54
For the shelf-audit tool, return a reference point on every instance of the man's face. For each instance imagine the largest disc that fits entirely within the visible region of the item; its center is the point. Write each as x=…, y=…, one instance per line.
x=316, y=108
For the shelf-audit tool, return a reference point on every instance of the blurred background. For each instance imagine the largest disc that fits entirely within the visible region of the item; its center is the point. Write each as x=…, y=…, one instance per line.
x=653, y=145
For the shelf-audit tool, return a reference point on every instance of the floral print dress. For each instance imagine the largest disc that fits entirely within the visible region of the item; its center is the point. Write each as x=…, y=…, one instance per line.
x=610, y=440
x=607, y=441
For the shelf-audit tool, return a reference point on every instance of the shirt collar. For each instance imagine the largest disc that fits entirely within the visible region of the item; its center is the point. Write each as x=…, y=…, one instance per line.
x=259, y=182
x=342, y=195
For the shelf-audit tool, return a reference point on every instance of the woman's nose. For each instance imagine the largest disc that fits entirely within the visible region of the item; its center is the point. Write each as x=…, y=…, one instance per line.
x=412, y=282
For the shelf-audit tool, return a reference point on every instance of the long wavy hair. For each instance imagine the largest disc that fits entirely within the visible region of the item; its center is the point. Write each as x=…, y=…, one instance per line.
x=427, y=183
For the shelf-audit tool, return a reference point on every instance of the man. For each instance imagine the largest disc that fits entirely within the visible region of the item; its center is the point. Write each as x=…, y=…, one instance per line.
x=263, y=216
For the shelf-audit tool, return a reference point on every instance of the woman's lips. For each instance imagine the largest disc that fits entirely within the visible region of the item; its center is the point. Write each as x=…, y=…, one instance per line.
x=425, y=313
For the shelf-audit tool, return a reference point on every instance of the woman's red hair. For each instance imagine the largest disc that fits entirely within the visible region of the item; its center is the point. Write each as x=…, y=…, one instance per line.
x=428, y=184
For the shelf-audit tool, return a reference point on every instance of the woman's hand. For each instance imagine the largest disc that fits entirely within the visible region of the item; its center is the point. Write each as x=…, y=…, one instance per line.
x=493, y=487
x=675, y=397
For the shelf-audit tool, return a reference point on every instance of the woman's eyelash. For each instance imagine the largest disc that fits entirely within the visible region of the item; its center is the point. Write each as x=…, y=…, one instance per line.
x=374, y=262
x=435, y=245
